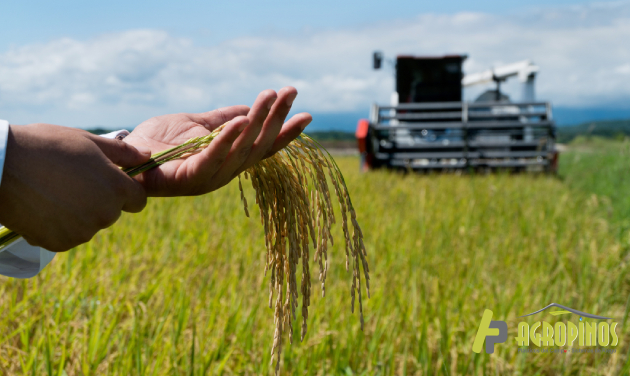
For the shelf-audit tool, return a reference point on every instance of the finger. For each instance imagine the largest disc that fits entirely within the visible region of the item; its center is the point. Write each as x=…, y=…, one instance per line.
x=271, y=127
x=290, y=131
x=212, y=119
x=243, y=145
x=136, y=196
x=121, y=153
x=200, y=170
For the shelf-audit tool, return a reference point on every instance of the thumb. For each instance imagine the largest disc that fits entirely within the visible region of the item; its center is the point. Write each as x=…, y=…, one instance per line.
x=121, y=153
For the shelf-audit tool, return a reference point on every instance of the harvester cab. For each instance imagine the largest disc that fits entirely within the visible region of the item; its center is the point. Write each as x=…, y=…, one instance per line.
x=427, y=125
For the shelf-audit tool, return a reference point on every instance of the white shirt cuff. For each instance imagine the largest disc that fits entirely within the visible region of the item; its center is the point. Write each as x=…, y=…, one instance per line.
x=116, y=134
x=4, y=135
x=22, y=260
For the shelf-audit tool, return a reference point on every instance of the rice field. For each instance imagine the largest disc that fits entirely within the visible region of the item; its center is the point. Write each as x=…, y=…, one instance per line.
x=179, y=289
x=595, y=165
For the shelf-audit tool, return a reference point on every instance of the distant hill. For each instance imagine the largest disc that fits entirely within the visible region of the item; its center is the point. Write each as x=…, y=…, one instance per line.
x=99, y=130
x=334, y=139
x=602, y=128
x=332, y=135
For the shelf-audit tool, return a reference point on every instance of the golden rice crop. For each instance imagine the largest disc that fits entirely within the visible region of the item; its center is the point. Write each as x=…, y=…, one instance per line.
x=291, y=216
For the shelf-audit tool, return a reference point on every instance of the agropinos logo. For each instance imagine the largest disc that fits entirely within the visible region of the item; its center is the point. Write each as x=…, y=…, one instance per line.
x=598, y=332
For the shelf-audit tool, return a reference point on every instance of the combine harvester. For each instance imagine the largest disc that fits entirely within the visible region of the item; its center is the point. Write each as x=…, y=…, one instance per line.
x=428, y=127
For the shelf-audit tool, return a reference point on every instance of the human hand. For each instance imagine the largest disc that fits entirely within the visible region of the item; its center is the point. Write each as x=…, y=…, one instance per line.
x=62, y=185
x=252, y=134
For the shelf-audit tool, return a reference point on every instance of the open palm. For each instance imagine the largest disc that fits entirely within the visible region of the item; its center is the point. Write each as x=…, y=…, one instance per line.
x=251, y=135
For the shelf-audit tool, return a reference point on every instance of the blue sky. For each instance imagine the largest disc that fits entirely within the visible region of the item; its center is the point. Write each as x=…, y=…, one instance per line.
x=84, y=63
x=26, y=22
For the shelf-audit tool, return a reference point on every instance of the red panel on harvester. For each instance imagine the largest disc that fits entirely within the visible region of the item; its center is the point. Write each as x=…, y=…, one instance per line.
x=361, y=134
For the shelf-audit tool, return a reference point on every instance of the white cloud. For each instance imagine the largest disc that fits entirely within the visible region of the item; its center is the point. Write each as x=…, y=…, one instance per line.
x=120, y=79
x=623, y=69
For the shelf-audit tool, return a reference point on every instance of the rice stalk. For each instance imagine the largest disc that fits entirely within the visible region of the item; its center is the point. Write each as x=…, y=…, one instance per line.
x=292, y=218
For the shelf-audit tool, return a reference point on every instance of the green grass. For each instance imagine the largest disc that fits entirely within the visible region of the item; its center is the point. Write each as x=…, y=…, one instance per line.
x=179, y=288
x=601, y=167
